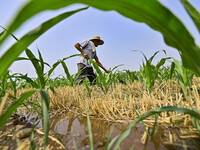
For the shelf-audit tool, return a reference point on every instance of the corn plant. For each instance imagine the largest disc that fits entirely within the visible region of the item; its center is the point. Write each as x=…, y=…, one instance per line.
x=127, y=131
x=153, y=13
x=42, y=76
x=131, y=76
x=102, y=79
x=71, y=79
x=4, y=84
x=166, y=72
x=15, y=50
x=150, y=72
x=184, y=75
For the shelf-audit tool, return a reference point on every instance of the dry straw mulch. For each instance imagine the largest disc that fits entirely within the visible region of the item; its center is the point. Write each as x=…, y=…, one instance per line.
x=123, y=103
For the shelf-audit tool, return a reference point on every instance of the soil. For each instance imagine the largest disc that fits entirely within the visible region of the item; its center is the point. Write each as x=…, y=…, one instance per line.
x=16, y=134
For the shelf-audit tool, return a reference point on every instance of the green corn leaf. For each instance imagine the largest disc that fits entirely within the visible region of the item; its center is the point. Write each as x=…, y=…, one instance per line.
x=2, y=33
x=160, y=19
x=14, y=106
x=96, y=67
x=45, y=111
x=126, y=132
x=162, y=62
x=41, y=60
x=22, y=58
x=194, y=14
x=116, y=67
x=29, y=80
x=9, y=33
x=35, y=59
x=152, y=13
x=59, y=61
x=66, y=71
x=154, y=125
x=72, y=56
x=54, y=67
x=151, y=59
x=142, y=54
x=109, y=139
x=89, y=128
x=8, y=57
x=172, y=70
x=37, y=67
x=110, y=144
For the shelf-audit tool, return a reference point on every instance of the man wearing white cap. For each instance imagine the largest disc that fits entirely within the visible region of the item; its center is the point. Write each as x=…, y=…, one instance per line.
x=88, y=50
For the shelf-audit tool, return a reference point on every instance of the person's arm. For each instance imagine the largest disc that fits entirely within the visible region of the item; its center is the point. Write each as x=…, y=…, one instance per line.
x=78, y=47
x=100, y=65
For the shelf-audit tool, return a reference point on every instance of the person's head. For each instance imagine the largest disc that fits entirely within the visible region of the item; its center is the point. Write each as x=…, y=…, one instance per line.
x=97, y=41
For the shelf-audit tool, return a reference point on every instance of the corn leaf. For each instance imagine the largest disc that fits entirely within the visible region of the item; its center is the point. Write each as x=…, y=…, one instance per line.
x=69, y=77
x=37, y=67
x=41, y=61
x=96, y=67
x=126, y=132
x=152, y=13
x=162, y=62
x=53, y=67
x=11, y=54
x=89, y=128
x=45, y=111
x=194, y=14
x=2, y=33
x=160, y=19
x=29, y=80
x=14, y=106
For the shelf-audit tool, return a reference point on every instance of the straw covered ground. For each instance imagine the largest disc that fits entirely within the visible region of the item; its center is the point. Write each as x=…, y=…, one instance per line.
x=125, y=102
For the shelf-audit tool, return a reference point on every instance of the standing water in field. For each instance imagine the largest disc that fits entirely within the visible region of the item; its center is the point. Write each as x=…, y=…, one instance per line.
x=71, y=128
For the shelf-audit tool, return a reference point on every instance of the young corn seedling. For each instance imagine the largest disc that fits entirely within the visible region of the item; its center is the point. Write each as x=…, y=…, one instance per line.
x=102, y=79
x=184, y=75
x=149, y=71
x=127, y=131
x=71, y=79
x=16, y=49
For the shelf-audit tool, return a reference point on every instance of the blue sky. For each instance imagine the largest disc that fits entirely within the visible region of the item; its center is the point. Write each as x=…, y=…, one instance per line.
x=121, y=35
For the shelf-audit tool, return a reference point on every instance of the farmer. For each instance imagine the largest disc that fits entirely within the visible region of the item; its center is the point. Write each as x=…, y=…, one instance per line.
x=88, y=49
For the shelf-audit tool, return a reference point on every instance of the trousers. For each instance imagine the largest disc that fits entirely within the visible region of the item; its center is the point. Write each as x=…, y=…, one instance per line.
x=85, y=72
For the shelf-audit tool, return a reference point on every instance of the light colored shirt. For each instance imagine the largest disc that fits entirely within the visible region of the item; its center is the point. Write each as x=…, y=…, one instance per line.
x=89, y=48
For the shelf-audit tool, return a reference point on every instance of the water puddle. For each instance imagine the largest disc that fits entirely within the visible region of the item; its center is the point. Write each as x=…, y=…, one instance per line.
x=72, y=129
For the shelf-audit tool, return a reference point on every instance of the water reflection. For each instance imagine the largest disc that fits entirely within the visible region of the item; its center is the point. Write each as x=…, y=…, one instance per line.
x=73, y=128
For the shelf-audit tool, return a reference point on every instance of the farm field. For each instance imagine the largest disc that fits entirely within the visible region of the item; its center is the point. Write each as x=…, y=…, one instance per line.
x=121, y=104
x=156, y=107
